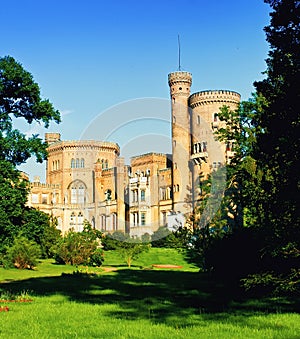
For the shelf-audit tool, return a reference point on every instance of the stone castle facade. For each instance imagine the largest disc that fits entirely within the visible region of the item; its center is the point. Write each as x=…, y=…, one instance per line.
x=89, y=180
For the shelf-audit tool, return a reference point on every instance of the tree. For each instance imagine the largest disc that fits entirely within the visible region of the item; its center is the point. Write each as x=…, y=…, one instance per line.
x=41, y=228
x=277, y=150
x=78, y=248
x=264, y=174
x=128, y=248
x=278, y=144
x=13, y=191
x=131, y=249
x=23, y=254
x=19, y=99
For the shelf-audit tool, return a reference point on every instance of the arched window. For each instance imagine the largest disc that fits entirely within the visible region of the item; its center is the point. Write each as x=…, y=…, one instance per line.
x=72, y=163
x=77, y=163
x=78, y=190
x=106, y=163
x=82, y=163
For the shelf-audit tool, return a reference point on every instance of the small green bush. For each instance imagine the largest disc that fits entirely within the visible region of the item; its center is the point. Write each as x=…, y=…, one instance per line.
x=23, y=254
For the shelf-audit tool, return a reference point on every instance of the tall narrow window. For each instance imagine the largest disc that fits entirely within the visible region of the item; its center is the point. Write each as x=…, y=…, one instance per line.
x=164, y=218
x=81, y=194
x=73, y=195
x=114, y=222
x=80, y=222
x=82, y=163
x=77, y=163
x=143, y=195
x=72, y=218
x=143, y=219
x=103, y=222
x=72, y=163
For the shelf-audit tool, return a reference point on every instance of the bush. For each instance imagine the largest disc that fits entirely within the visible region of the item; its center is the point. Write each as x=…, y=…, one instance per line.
x=111, y=241
x=77, y=248
x=163, y=237
x=23, y=254
x=97, y=258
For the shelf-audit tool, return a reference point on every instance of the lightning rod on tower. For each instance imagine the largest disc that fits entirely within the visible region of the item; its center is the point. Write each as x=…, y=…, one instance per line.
x=179, y=65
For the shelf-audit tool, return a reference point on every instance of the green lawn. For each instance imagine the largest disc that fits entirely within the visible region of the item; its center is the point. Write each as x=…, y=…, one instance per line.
x=137, y=303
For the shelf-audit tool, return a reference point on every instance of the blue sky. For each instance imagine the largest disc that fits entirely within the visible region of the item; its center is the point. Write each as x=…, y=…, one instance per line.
x=88, y=56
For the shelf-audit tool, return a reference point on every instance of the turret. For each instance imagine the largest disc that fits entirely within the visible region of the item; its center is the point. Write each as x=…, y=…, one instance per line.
x=180, y=85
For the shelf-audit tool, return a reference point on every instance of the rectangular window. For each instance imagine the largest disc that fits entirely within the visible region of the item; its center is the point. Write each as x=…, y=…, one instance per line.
x=143, y=219
x=73, y=195
x=164, y=218
x=143, y=195
x=103, y=222
x=34, y=198
x=44, y=198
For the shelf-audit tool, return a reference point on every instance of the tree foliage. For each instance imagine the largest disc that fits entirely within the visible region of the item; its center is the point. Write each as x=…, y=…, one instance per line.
x=42, y=229
x=77, y=248
x=263, y=182
x=19, y=100
x=23, y=253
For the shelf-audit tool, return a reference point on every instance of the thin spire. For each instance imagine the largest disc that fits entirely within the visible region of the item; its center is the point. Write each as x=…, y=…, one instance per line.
x=179, y=64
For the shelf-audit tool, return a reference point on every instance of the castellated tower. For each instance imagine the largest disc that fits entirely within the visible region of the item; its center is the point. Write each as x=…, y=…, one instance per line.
x=208, y=154
x=180, y=85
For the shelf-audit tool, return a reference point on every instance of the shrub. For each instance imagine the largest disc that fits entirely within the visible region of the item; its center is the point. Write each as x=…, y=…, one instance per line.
x=23, y=254
x=77, y=248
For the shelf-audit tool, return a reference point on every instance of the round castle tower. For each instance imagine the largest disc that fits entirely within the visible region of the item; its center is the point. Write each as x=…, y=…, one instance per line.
x=180, y=85
x=205, y=107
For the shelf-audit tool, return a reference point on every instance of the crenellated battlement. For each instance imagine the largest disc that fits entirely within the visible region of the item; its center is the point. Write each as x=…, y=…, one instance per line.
x=210, y=96
x=176, y=77
x=85, y=145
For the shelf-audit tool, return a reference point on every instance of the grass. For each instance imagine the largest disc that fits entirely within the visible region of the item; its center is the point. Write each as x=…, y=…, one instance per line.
x=147, y=259
x=137, y=303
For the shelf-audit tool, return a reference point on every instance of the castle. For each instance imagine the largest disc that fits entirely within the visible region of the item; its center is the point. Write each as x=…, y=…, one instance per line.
x=88, y=179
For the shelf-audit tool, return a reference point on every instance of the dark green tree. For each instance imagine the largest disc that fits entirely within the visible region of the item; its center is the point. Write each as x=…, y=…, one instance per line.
x=278, y=143
x=42, y=229
x=277, y=150
x=19, y=100
x=263, y=176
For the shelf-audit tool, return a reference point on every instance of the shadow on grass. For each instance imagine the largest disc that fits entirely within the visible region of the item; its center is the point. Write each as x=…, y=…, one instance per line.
x=148, y=294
